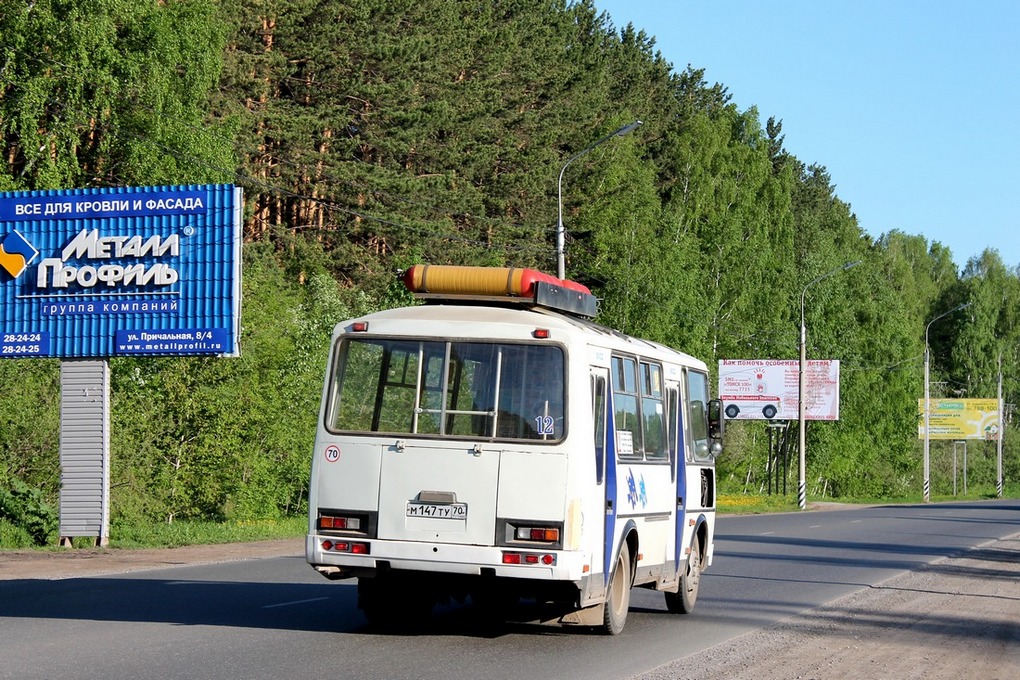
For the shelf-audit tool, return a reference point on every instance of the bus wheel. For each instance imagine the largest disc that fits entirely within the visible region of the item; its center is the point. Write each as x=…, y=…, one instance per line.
x=617, y=604
x=683, y=601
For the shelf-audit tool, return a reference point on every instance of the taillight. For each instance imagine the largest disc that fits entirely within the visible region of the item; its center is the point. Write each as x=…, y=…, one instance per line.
x=546, y=559
x=339, y=523
x=547, y=534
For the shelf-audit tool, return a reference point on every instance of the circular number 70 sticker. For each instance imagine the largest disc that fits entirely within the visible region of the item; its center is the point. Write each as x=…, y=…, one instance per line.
x=332, y=453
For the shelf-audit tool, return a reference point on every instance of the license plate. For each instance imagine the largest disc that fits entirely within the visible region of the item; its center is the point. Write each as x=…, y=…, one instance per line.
x=437, y=510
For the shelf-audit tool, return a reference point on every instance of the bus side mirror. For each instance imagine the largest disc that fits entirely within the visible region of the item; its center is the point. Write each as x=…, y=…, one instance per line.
x=715, y=419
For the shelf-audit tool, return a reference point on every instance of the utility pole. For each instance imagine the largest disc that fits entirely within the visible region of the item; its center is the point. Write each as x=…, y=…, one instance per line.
x=801, y=389
x=1001, y=433
x=927, y=400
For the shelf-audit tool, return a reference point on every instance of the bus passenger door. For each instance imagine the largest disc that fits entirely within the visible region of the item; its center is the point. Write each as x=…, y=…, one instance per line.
x=678, y=465
x=605, y=470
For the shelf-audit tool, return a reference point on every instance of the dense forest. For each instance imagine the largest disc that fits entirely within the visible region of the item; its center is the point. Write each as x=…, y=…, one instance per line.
x=369, y=135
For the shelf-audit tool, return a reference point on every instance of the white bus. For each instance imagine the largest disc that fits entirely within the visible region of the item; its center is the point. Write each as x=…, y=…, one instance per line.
x=496, y=444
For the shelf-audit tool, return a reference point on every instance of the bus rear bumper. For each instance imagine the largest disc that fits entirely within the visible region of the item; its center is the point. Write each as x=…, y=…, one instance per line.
x=467, y=560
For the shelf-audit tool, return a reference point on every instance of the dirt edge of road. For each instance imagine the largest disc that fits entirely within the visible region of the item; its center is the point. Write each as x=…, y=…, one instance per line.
x=954, y=618
x=80, y=562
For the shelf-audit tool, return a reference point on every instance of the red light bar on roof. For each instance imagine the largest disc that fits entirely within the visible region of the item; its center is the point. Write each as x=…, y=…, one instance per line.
x=457, y=280
x=451, y=282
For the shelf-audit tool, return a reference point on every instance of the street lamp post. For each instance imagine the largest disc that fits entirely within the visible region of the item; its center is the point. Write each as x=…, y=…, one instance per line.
x=802, y=405
x=927, y=399
x=560, y=250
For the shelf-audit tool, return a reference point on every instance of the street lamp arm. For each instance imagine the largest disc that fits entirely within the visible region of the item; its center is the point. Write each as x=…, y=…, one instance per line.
x=625, y=130
x=560, y=247
x=940, y=316
x=824, y=276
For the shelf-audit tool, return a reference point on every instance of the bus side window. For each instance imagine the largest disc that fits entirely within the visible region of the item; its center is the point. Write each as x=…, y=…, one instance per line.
x=598, y=399
x=674, y=428
x=653, y=412
x=625, y=407
x=698, y=385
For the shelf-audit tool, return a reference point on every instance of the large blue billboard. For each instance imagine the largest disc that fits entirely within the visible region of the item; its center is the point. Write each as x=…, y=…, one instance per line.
x=94, y=273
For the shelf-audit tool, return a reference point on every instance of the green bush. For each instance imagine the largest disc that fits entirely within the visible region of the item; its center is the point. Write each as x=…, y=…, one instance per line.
x=24, y=508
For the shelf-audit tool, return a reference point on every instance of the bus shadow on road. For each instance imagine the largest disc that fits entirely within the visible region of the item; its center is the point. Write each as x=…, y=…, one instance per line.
x=326, y=607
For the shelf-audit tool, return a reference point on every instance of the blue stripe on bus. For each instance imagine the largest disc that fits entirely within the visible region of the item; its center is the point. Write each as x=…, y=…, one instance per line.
x=610, y=526
x=681, y=484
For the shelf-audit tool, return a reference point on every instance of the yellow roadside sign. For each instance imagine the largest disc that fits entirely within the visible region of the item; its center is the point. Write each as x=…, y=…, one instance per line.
x=960, y=419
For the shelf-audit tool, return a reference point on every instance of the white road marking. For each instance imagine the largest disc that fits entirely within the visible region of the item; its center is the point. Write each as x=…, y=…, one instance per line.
x=288, y=604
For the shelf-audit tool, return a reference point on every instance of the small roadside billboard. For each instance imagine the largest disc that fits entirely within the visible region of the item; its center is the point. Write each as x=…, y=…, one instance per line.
x=960, y=419
x=768, y=389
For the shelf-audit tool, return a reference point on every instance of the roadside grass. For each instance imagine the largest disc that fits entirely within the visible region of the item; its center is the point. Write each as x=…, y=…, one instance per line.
x=181, y=533
x=755, y=504
x=173, y=535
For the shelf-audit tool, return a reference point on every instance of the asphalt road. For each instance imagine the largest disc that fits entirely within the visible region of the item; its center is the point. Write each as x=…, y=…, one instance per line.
x=274, y=618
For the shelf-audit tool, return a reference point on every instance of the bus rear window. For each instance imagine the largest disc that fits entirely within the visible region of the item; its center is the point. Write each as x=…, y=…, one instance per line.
x=452, y=389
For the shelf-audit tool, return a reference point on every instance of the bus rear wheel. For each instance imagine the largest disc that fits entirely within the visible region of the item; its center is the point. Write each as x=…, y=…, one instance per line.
x=683, y=601
x=614, y=616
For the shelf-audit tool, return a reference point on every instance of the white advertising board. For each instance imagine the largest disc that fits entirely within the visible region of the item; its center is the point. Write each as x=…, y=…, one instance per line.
x=767, y=389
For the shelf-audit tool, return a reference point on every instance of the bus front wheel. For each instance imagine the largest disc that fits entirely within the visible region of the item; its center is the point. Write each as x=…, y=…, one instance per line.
x=683, y=601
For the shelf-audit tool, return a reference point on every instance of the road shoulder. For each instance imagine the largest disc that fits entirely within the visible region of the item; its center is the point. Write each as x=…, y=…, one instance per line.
x=954, y=618
x=82, y=562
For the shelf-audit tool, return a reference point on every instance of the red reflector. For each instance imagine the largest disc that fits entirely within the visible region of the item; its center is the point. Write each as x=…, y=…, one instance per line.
x=541, y=333
x=511, y=558
x=327, y=545
x=359, y=326
x=548, y=559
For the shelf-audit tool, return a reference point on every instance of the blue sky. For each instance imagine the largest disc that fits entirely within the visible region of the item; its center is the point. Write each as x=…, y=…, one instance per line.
x=912, y=106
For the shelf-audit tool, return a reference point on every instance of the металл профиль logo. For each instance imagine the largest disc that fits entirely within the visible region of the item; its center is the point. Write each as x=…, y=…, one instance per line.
x=16, y=253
